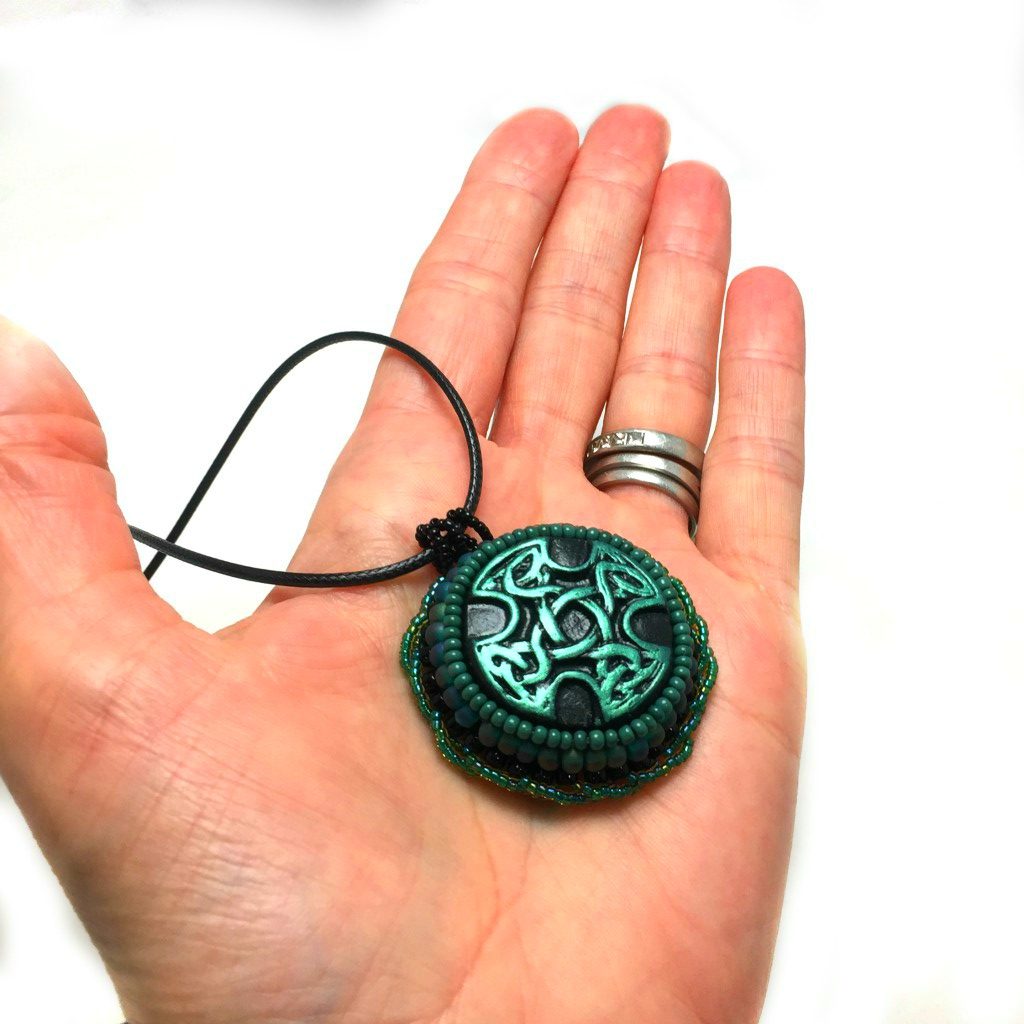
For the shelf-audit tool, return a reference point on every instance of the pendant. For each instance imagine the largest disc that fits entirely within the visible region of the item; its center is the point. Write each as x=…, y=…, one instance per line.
x=560, y=661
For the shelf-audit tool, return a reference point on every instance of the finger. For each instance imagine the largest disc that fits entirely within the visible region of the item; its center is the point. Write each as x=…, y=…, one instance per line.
x=754, y=469
x=60, y=527
x=69, y=571
x=665, y=373
x=462, y=304
x=461, y=309
x=562, y=362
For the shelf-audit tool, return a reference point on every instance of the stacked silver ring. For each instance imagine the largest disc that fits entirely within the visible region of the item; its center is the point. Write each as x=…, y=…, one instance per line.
x=649, y=457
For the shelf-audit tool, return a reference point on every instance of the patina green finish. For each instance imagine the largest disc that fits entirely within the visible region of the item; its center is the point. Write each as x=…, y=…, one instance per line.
x=599, y=622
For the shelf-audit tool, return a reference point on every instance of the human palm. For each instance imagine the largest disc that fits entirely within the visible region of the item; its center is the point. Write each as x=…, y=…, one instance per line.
x=255, y=825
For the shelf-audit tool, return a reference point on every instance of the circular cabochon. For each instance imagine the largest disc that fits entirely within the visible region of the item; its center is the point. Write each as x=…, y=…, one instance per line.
x=561, y=660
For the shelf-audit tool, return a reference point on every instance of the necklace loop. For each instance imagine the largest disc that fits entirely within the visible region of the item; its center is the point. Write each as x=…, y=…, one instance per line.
x=446, y=542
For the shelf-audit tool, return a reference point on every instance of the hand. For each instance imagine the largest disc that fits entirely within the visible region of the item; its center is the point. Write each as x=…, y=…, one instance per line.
x=255, y=825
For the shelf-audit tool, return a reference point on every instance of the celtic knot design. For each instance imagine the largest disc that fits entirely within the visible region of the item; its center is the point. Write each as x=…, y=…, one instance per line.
x=571, y=631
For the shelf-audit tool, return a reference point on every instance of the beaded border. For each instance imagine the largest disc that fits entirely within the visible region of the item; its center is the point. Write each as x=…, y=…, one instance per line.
x=691, y=635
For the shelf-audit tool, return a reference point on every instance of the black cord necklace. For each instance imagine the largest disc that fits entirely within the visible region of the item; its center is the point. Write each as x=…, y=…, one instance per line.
x=557, y=660
x=443, y=540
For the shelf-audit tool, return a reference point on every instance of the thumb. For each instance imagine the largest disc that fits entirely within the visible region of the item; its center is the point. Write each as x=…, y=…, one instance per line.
x=60, y=527
x=70, y=581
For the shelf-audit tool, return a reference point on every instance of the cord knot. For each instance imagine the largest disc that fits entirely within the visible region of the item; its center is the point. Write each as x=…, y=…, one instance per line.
x=446, y=539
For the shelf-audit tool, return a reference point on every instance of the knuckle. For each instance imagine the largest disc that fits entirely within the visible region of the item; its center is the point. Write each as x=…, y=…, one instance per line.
x=469, y=279
x=669, y=365
x=762, y=361
x=769, y=453
x=575, y=299
x=66, y=437
x=698, y=248
x=518, y=180
x=617, y=176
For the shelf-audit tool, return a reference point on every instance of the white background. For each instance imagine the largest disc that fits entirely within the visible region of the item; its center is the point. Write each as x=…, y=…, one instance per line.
x=190, y=191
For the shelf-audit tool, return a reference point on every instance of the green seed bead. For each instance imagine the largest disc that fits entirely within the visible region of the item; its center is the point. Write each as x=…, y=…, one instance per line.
x=453, y=698
x=488, y=734
x=638, y=751
x=639, y=727
x=565, y=741
x=616, y=756
x=467, y=717
x=596, y=739
x=548, y=760
x=611, y=737
x=476, y=702
x=487, y=709
x=554, y=738
x=511, y=724
x=498, y=718
x=648, y=719
x=539, y=735
x=527, y=753
x=657, y=736
x=580, y=739
x=626, y=736
x=525, y=730
x=469, y=689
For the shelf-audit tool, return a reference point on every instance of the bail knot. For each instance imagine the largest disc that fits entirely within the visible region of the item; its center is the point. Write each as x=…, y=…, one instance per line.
x=446, y=539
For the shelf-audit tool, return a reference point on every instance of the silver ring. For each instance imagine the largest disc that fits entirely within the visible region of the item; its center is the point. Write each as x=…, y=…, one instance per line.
x=653, y=458
x=654, y=442
x=613, y=459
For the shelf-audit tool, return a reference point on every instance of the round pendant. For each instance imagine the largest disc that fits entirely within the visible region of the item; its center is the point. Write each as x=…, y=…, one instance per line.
x=561, y=661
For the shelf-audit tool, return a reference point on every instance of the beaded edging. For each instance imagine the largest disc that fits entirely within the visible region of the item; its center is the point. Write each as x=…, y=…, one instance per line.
x=703, y=669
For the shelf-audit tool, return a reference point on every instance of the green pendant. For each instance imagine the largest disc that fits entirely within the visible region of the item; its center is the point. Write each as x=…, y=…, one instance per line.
x=561, y=661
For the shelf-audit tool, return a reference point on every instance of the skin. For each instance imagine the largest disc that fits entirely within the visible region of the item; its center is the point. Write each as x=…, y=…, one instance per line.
x=254, y=825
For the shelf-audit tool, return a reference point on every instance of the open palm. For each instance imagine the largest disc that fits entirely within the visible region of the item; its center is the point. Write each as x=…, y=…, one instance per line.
x=255, y=825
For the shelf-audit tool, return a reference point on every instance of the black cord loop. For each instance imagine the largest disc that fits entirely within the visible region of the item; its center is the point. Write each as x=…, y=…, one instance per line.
x=443, y=540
